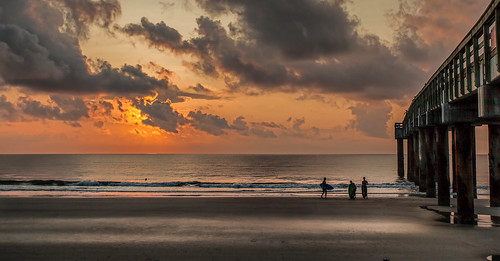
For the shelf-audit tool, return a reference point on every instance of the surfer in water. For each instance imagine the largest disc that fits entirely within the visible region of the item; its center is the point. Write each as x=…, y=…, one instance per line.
x=352, y=190
x=364, y=189
x=323, y=186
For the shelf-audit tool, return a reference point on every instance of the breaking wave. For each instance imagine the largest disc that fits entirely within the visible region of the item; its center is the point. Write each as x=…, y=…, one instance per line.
x=94, y=183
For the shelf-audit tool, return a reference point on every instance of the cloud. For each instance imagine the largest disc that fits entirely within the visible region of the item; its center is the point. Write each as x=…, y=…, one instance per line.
x=279, y=47
x=8, y=110
x=79, y=15
x=371, y=119
x=324, y=29
x=62, y=108
x=297, y=131
x=166, y=6
x=74, y=124
x=426, y=31
x=209, y=123
x=37, y=53
x=297, y=123
x=262, y=133
x=259, y=129
x=218, y=126
x=240, y=125
x=159, y=35
x=268, y=125
x=99, y=124
x=160, y=114
x=201, y=93
x=200, y=88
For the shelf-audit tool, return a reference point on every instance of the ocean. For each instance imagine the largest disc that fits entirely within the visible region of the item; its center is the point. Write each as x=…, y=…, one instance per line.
x=213, y=175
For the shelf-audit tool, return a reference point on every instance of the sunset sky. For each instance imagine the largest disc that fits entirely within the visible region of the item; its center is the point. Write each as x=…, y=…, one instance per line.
x=218, y=76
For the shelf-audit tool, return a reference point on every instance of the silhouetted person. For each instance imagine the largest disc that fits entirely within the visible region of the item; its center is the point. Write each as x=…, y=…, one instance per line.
x=323, y=186
x=364, y=189
x=352, y=190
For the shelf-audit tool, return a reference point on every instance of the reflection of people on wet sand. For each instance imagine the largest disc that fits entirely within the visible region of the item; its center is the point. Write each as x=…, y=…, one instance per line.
x=364, y=189
x=323, y=186
x=352, y=190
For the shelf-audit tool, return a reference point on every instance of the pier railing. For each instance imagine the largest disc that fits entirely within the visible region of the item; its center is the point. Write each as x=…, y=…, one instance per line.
x=464, y=92
x=472, y=65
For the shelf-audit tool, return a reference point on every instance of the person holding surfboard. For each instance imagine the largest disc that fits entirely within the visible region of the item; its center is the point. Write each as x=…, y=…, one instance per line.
x=352, y=190
x=323, y=186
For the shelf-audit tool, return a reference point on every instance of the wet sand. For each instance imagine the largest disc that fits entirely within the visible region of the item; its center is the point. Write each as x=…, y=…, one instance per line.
x=235, y=229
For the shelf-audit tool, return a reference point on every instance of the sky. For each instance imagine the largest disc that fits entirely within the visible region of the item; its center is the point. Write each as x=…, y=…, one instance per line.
x=218, y=76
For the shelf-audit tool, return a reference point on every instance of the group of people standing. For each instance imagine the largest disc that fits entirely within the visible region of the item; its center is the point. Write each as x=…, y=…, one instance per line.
x=351, y=189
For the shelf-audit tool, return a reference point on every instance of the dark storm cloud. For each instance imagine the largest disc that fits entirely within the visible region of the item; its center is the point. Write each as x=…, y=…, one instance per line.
x=160, y=114
x=201, y=93
x=282, y=47
x=358, y=65
x=36, y=54
x=217, y=126
x=200, y=88
x=209, y=123
x=299, y=29
x=240, y=125
x=265, y=124
x=63, y=108
x=215, y=49
x=67, y=109
x=159, y=35
x=8, y=110
x=373, y=72
x=215, y=46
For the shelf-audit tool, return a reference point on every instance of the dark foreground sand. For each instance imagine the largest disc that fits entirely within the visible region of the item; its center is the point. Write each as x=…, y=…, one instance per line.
x=235, y=229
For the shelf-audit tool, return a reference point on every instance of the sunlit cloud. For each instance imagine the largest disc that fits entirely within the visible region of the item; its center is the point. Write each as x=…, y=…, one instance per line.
x=246, y=75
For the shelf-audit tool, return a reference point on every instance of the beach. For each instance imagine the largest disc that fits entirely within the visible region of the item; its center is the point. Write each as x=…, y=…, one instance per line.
x=212, y=228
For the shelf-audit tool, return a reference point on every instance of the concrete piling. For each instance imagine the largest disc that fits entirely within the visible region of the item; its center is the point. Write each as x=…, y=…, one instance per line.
x=453, y=161
x=442, y=165
x=422, y=186
x=410, y=159
x=430, y=181
x=416, y=159
x=464, y=167
x=494, y=163
x=401, y=159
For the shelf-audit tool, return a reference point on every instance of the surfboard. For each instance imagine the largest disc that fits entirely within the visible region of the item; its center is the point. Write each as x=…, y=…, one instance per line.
x=328, y=186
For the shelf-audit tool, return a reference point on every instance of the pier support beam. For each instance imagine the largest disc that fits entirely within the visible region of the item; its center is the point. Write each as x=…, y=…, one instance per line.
x=416, y=159
x=401, y=159
x=474, y=161
x=453, y=160
x=411, y=160
x=422, y=187
x=442, y=165
x=430, y=144
x=494, y=160
x=464, y=134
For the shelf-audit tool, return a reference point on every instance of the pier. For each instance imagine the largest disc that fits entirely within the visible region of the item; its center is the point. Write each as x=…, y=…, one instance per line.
x=463, y=93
